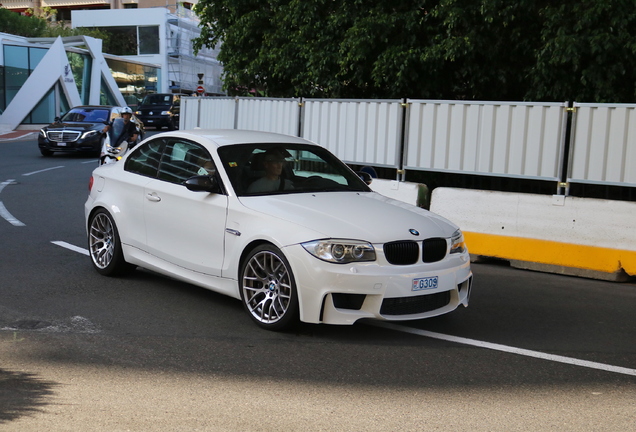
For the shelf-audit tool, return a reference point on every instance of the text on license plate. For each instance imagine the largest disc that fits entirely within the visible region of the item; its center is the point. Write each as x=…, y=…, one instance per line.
x=424, y=283
x=61, y=144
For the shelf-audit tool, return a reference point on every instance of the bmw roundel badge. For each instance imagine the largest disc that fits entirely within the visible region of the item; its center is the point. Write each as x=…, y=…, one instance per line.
x=414, y=232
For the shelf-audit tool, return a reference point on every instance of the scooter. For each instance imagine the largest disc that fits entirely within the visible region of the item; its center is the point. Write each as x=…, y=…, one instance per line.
x=115, y=143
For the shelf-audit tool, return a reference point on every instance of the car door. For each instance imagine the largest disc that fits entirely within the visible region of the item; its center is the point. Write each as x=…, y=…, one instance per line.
x=183, y=227
x=140, y=168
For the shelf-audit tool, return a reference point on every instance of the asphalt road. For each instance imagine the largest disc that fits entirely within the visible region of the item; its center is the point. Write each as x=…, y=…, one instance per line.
x=79, y=351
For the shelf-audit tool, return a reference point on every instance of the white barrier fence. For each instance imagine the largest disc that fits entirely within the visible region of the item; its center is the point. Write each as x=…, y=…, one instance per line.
x=603, y=145
x=509, y=139
x=365, y=132
x=501, y=138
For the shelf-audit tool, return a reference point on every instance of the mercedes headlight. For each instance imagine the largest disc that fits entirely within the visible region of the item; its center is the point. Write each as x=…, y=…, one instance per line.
x=457, y=242
x=89, y=134
x=341, y=251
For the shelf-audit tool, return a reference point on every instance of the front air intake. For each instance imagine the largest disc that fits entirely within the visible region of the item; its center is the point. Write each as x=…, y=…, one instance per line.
x=415, y=305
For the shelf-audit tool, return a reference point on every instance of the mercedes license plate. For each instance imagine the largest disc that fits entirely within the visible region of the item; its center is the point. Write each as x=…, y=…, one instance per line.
x=424, y=283
x=61, y=144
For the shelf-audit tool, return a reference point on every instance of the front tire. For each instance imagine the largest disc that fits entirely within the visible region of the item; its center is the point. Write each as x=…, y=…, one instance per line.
x=104, y=245
x=268, y=289
x=46, y=153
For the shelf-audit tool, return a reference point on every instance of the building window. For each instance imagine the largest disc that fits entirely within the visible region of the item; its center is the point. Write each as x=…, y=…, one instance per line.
x=123, y=40
x=132, y=40
x=149, y=40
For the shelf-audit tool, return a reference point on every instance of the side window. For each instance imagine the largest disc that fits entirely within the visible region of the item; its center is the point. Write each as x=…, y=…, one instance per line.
x=145, y=159
x=183, y=159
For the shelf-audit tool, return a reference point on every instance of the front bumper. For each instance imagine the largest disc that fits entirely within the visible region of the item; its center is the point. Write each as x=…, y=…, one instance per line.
x=158, y=120
x=92, y=144
x=342, y=294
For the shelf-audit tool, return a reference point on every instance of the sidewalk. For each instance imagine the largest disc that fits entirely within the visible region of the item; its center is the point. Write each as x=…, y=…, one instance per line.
x=18, y=135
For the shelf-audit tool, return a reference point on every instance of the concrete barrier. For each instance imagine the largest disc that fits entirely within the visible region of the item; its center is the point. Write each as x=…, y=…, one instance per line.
x=577, y=236
x=412, y=193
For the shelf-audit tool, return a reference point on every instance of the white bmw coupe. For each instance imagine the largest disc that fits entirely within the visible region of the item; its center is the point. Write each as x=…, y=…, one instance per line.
x=277, y=222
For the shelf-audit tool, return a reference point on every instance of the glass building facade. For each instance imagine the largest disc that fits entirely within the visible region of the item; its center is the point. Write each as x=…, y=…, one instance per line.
x=133, y=79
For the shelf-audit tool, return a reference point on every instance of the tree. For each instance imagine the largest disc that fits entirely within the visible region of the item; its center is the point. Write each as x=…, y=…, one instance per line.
x=587, y=52
x=13, y=23
x=438, y=49
x=39, y=25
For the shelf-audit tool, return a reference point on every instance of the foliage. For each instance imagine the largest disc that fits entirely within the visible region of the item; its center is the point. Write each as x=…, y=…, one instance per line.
x=39, y=25
x=13, y=23
x=439, y=49
x=587, y=52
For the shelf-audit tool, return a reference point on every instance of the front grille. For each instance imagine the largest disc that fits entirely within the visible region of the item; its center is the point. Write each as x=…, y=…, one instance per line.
x=414, y=305
x=63, y=136
x=433, y=250
x=401, y=252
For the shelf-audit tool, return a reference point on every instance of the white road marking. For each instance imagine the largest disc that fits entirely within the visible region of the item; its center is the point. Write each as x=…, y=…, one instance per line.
x=8, y=217
x=40, y=171
x=508, y=349
x=3, y=210
x=71, y=247
x=5, y=183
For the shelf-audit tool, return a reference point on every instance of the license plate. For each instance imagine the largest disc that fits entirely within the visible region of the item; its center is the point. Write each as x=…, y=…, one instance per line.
x=424, y=283
x=61, y=144
x=149, y=121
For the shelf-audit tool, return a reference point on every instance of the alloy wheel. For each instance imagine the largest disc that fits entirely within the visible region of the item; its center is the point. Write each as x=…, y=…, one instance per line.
x=102, y=240
x=267, y=289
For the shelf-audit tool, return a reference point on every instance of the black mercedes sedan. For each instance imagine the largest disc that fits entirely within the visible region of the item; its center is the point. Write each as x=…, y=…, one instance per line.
x=80, y=130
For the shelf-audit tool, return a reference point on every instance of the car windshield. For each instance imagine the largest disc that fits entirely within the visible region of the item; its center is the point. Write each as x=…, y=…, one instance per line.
x=88, y=115
x=265, y=169
x=157, y=99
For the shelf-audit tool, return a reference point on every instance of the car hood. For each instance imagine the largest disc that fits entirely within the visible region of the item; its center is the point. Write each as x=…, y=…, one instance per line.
x=366, y=216
x=74, y=126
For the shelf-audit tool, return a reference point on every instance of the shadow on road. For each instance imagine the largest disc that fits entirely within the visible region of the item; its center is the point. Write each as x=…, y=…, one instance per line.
x=22, y=394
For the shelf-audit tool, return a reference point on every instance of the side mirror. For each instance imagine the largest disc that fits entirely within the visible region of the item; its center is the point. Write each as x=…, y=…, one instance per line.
x=57, y=119
x=204, y=183
x=365, y=176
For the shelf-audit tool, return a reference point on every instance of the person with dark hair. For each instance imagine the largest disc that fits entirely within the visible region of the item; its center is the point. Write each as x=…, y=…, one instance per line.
x=273, y=162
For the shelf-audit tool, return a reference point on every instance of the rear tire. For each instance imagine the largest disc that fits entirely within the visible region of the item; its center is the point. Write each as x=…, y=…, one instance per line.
x=104, y=245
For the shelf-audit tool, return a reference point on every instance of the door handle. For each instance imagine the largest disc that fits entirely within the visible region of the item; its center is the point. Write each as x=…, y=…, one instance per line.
x=152, y=196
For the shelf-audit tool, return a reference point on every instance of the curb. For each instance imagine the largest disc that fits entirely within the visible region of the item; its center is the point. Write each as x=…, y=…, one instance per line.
x=17, y=135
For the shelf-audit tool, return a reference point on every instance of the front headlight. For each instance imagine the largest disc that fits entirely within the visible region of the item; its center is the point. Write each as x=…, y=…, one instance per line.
x=457, y=242
x=166, y=113
x=341, y=251
x=42, y=133
x=89, y=134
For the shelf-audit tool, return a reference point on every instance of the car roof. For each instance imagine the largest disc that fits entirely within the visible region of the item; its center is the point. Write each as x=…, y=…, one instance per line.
x=222, y=137
x=95, y=106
